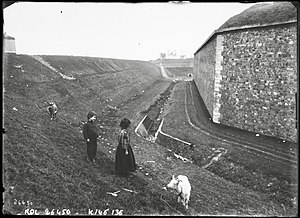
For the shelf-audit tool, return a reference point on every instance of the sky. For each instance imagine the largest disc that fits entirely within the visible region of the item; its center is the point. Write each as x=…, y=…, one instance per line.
x=133, y=31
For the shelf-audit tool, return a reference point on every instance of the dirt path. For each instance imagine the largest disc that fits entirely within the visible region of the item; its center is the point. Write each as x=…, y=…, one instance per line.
x=163, y=72
x=41, y=60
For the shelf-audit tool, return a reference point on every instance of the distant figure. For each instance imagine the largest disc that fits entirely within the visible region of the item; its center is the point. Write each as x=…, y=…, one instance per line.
x=125, y=161
x=52, y=108
x=90, y=134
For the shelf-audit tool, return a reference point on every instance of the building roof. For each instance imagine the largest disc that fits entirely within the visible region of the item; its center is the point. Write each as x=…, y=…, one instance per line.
x=259, y=15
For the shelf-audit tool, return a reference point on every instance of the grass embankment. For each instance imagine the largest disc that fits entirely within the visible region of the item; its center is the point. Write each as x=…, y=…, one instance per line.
x=263, y=13
x=45, y=161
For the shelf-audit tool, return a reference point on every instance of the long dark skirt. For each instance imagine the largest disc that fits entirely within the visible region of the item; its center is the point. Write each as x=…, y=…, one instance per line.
x=125, y=163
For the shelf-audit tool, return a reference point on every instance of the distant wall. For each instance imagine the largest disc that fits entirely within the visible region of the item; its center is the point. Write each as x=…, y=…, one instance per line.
x=9, y=45
x=175, y=62
x=176, y=67
x=248, y=79
x=180, y=71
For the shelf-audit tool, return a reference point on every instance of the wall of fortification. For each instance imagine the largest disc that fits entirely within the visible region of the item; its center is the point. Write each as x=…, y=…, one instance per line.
x=259, y=80
x=204, y=73
x=249, y=81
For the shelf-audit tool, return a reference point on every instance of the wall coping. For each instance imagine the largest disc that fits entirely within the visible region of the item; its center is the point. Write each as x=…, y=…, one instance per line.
x=231, y=29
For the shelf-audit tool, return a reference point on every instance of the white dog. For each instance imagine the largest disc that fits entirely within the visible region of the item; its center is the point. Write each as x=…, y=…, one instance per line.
x=183, y=187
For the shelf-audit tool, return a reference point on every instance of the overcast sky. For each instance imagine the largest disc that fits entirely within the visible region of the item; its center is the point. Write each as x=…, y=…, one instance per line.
x=139, y=31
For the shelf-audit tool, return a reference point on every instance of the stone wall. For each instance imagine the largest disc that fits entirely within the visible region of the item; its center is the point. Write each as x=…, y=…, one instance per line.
x=248, y=79
x=204, y=72
x=259, y=80
x=218, y=79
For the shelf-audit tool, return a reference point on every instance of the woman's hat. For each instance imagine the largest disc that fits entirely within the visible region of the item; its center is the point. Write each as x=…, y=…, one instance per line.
x=125, y=123
x=90, y=114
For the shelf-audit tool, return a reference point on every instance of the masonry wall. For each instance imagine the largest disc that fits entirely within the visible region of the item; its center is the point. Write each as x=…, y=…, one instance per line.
x=204, y=72
x=259, y=80
x=9, y=45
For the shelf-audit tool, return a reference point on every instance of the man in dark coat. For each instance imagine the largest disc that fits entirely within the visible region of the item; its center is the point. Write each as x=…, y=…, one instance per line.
x=90, y=134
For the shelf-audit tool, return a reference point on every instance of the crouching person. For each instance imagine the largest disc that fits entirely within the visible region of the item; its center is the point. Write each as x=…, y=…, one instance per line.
x=90, y=134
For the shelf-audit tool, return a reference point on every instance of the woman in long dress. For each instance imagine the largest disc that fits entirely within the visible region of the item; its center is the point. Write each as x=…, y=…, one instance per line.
x=125, y=161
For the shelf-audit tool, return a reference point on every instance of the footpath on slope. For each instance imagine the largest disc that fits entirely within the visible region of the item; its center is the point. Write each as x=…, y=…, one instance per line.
x=41, y=60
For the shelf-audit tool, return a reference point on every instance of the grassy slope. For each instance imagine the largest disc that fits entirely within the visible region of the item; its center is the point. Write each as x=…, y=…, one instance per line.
x=263, y=13
x=45, y=160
